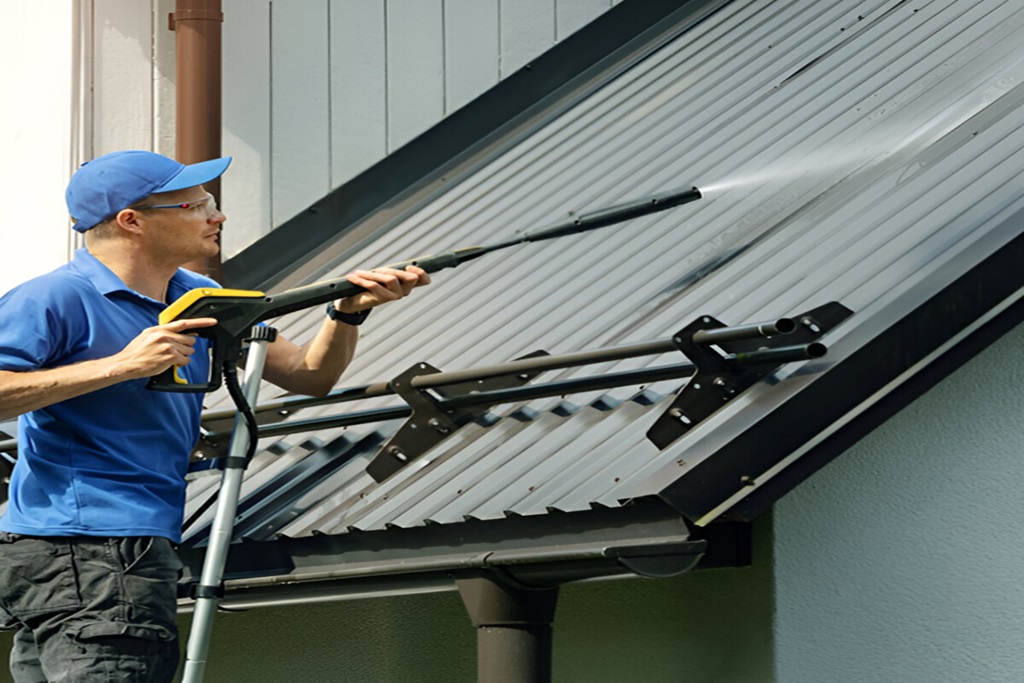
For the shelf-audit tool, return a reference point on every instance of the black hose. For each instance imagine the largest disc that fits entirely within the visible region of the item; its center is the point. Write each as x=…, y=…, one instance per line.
x=235, y=390
x=245, y=410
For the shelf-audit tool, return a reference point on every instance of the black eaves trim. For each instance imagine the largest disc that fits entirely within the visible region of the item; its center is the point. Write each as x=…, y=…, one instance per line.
x=424, y=159
x=845, y=386
x=646, y=538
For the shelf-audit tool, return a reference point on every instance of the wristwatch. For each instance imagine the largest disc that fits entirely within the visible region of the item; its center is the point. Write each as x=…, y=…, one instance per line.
x=347, y=318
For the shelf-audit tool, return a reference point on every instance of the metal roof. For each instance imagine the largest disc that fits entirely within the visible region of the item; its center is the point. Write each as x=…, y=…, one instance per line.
x=862, y=152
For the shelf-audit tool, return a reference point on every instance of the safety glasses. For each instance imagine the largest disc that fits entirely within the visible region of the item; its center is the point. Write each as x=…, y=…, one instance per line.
x=209, y=200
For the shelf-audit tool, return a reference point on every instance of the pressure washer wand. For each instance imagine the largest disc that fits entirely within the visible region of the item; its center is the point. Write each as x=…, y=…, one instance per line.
x=303, y=297
x=238, y=310
x=604, y=217
x=300, y=297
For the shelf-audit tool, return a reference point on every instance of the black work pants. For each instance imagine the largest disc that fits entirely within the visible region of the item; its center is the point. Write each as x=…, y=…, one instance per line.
x=90, y=609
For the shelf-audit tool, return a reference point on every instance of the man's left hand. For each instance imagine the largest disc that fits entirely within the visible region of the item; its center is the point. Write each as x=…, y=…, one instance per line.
x=382, y=285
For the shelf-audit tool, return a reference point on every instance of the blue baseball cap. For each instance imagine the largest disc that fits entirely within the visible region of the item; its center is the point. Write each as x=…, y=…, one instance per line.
x=102, y=187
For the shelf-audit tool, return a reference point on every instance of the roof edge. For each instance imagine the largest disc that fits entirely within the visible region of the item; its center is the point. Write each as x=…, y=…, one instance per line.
x=644, y=538
x=965, y=316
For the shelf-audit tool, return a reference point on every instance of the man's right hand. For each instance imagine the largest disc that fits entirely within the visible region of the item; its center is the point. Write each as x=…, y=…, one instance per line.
x=154, y=350
x=157, y=348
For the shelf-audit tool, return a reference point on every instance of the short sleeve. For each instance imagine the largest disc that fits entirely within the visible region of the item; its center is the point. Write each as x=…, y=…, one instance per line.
x=34, y=329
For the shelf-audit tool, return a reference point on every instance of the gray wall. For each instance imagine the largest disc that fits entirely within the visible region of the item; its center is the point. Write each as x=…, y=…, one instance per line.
x=317, y=91
x=901, y=561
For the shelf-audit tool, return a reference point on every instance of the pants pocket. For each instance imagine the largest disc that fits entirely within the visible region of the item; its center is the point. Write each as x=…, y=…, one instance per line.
x=149, y=583
x=37, y=577
x=112, y=629
x=114, y=651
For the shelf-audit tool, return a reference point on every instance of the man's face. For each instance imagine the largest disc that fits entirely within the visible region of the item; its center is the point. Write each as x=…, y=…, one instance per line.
x=182, y=226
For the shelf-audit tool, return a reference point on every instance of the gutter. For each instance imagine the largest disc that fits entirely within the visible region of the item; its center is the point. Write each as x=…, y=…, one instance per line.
x=645, y=538
x=509, y=587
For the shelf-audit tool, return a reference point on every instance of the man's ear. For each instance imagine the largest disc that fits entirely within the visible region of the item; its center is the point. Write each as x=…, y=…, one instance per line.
x=128, y=220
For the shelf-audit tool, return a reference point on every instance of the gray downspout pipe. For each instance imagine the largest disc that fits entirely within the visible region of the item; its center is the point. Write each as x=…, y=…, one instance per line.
x=197, y=26
x=513, y=629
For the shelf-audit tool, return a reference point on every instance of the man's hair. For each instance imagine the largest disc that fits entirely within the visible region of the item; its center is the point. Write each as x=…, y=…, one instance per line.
x=108, y=228
x=102, y=231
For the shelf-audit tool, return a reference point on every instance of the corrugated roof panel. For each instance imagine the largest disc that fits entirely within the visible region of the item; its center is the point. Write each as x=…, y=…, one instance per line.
x=861, y=152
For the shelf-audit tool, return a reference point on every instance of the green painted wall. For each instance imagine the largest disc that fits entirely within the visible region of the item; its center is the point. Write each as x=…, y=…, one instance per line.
x=704, y=627
x=901, y=561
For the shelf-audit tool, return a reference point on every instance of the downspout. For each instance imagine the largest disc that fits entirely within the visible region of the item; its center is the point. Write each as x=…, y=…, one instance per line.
x=513, y=626
x=197, y=26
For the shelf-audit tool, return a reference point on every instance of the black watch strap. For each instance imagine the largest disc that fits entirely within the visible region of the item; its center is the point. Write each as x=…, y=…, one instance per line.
x=347, y=318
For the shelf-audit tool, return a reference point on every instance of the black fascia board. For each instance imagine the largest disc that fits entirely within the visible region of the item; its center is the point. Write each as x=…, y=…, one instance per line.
x=645, y=537
x=424, y=161
x=839, y=391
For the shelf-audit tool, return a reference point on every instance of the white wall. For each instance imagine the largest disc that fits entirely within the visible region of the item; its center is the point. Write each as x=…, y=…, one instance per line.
x=35, y=137
x=901, y=561
x=81, y=78
x=131, y=76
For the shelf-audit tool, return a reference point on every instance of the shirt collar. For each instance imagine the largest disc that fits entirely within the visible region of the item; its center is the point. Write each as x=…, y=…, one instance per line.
x=101, y=277
x=107, y=282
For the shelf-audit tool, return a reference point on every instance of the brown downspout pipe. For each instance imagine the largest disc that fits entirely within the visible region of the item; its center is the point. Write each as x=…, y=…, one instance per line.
x=197, y=25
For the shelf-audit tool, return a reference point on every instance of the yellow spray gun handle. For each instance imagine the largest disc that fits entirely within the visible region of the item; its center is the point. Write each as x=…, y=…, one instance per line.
x=236, y=310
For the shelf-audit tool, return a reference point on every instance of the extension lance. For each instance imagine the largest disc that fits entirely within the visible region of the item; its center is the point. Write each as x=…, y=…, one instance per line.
x=237, y=311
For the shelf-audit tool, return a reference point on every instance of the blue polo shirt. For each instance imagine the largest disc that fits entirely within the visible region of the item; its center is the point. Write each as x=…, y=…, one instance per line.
x=111, y=462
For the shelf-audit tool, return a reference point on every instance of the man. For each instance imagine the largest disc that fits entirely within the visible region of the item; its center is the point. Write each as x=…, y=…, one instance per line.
x=87, y=568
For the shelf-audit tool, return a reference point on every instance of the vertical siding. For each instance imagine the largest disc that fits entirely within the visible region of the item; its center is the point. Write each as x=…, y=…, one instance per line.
x=572, y=15
x=245, y=189
x=415, y=74
x=527, y=30
x=317, y=91
x=358, y=96
x=299, y=106
x=471, y=50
